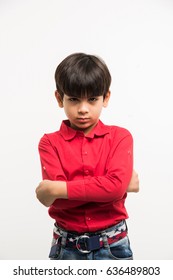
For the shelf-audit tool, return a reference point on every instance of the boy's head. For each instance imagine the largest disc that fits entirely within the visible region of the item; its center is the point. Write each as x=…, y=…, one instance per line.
x=82, y=83
x=81, y=74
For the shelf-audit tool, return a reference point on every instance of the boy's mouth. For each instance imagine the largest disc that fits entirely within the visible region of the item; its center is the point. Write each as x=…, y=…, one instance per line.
x=83, y=120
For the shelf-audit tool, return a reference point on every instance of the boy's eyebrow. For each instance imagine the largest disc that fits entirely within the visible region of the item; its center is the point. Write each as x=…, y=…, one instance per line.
x=73, y=96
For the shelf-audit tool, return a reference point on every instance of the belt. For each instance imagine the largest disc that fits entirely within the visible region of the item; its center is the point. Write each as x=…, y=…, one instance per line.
x=90, y=241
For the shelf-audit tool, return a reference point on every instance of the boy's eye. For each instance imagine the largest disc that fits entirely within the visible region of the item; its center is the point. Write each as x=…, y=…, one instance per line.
x=73, y=99
x=92, y=99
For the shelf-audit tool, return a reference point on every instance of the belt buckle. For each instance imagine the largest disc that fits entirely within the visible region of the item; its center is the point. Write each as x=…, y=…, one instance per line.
x=77, y=243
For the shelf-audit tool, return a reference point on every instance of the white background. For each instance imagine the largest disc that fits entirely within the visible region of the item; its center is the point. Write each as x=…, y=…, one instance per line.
x=135, y=38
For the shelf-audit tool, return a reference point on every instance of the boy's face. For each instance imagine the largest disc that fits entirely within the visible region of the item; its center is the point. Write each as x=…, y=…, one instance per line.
x=83, y=113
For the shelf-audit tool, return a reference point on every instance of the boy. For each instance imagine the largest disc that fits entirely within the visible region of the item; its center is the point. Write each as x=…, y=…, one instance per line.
x=87, y=167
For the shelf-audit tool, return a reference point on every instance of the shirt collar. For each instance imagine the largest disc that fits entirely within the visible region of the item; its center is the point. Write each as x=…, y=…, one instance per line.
x=69, y=133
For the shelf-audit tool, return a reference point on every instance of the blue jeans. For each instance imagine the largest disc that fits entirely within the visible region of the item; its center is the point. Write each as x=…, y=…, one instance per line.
x=116, y=251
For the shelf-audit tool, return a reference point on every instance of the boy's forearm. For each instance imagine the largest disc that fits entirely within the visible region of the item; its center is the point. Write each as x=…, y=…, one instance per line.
x=60, y=188
x=48, y=191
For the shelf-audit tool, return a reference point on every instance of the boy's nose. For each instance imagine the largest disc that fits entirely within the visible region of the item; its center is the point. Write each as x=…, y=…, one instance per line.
x=83, y=108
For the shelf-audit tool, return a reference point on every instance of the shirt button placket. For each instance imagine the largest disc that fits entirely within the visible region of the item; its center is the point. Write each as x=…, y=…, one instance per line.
x=84, y=154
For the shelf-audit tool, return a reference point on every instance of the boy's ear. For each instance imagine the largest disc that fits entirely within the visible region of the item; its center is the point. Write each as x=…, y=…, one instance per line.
x=59, y=99
x=106, y=99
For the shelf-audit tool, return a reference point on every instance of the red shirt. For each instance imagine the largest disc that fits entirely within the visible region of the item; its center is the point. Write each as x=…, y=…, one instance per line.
x=97, y=168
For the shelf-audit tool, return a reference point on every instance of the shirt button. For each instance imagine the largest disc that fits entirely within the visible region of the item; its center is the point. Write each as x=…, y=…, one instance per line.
x=86, y=172
x=88, y=218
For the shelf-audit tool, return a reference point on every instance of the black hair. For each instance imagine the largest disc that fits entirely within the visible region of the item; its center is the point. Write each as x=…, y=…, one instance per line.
x=81, y=74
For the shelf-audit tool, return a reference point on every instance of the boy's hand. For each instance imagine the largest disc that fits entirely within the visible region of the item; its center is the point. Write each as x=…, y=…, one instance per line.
x=45, y=192
x=134, y=183
x=48, y=191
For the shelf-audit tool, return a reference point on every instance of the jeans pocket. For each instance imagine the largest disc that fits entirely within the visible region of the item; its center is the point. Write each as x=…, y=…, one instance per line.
x=121, y=250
